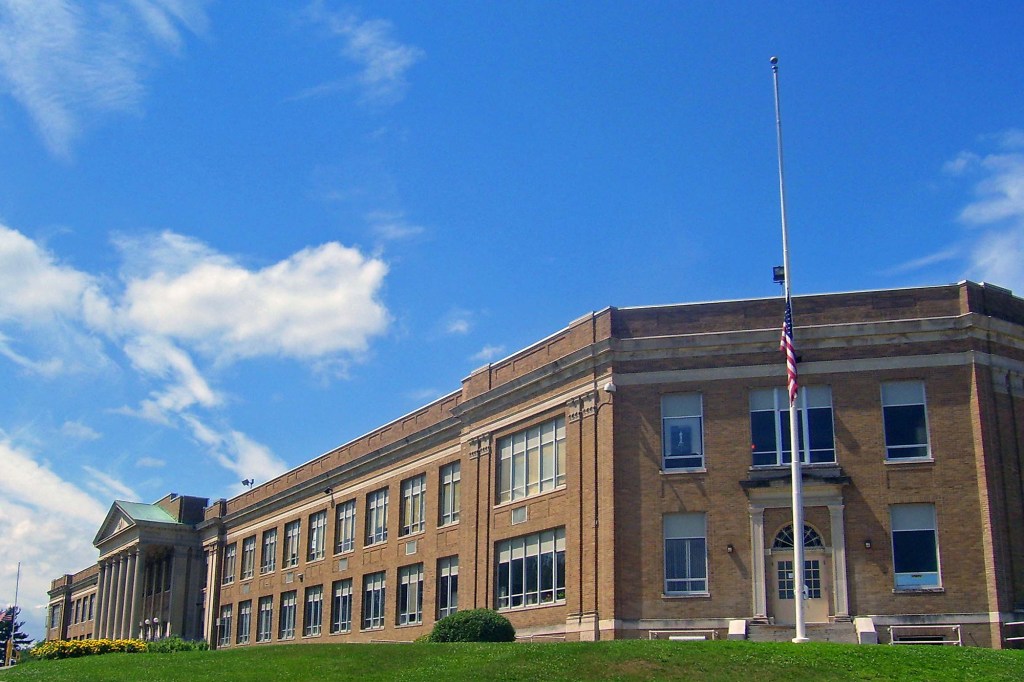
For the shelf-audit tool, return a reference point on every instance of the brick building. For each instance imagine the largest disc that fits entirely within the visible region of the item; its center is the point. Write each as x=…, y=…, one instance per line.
x=628, y=477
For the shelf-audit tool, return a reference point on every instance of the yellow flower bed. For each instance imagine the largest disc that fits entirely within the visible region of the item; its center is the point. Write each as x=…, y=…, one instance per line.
x=71, y=648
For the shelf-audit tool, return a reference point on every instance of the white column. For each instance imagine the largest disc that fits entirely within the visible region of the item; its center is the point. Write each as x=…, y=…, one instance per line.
x=129, y=595
x=757, y=562
x=842, y=597
x=110, y=601
x=97, y=627
x=135, y=609
x=122, y=578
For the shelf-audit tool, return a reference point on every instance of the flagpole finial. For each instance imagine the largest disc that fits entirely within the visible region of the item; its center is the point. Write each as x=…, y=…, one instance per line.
x=774, y=61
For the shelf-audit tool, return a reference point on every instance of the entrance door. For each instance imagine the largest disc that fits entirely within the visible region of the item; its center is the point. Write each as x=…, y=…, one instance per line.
x=817, y=588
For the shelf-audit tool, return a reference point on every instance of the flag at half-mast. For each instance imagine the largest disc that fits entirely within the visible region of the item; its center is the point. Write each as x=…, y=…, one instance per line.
x=8, y=616
x=786, y=346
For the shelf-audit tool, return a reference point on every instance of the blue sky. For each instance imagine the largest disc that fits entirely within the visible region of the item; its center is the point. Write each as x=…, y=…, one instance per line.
x=236, y=235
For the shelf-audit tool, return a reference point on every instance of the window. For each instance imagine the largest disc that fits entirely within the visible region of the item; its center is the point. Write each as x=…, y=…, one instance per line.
x=248, y=557
x=317, y=535
x=906, y=423
x=345, y=528
x=244, y=618
x=410, y=594
x=341, y=606
x=682, y=440
x=769, y=426
x=447, y=586
x=54, y=616
x=449, y=504
x=265, y=619
x=268, y=560
x=225, y=626
x=412, y=504
x=915, y=546
x=531, y=461
x=291, y=544
x=313, y=616
x=686, y=554
x=373, y=601
x=531, y=570
x=377, y=516
x=228, y=574
x=286, y=626
x=92, y=604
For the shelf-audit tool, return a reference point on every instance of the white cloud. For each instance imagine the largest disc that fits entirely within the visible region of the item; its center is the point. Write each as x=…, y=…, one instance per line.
x=34, y=288
x=457, y=326
x=150, y=463
x=488, y=353
x=48, y=524
x=317, y=302
x=79, y=431
x=61, y=59
x=369, y=44
x=996, y=215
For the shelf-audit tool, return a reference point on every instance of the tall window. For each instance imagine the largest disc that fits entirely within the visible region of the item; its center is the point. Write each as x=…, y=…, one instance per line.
x=265, y=619
x=230, y=555
x=682, y=439
x=244, y=619
x=317, y=533
x=313, y=616
x=224, y=638
x=915, y=546
x=413, y=503
x=373, y=601
x=531, y=570
x=341, y=606
x=410, y=594
x=286, y=626
x=531, y=461
x=345, y=527
x=447, y=586
x=377, y=516
x=248, y=557
x=268, y=559
x=449, y=503
x=906, y=422
x=292, y=531
x=769, y=425
x=686, y=554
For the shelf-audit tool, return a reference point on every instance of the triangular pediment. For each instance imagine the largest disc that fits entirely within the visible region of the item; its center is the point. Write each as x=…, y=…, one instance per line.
x=117, y=520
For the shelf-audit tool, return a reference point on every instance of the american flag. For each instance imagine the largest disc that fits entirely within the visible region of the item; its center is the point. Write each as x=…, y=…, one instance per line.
x=787, y=347
x=8, y=616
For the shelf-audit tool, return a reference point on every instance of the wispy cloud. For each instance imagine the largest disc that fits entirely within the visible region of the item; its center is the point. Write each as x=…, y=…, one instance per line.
x=369, y=44
x=392, y=226
x=150, y=463
x=488, y=353
x=63, y=59
x=924, y=261
x=79, y=431
x=108, y=486
x=996, y=215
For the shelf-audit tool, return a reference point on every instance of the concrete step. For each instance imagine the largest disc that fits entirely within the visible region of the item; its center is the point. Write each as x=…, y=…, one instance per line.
x=843, y=633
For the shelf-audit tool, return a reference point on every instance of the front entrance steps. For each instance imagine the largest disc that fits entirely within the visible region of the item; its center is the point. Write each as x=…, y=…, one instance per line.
x=839, y=632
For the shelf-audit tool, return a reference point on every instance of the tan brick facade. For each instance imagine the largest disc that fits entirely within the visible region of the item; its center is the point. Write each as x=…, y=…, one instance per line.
x=592, y=547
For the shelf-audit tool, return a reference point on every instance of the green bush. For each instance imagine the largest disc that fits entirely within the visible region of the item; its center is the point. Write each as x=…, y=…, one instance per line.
x=174, y=644
x=476, y=625
x=73, y=648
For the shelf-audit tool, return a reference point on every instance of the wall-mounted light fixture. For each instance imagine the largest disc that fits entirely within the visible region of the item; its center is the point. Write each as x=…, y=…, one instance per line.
x=330, y=491
x=729, y=548
x=867, y=544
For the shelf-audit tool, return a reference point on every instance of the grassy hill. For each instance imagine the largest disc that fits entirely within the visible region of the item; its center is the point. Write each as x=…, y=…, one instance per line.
x=621, y=660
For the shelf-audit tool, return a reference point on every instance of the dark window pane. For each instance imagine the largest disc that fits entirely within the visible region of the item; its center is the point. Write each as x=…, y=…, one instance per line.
x=905, y=425
x=914, y=551
x=762, y=433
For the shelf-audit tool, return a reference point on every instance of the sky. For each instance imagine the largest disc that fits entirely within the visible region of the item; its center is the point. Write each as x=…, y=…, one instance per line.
x=234, y=236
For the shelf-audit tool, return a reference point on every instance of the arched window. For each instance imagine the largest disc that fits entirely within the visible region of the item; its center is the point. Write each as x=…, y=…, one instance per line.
x=784, y=540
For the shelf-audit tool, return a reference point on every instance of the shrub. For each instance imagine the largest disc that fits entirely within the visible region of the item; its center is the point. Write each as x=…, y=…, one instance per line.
x=475, y=625
x=73, y=648
x=171, y=645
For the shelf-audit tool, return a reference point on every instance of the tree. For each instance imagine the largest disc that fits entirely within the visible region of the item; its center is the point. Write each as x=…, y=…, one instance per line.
x=21, y=640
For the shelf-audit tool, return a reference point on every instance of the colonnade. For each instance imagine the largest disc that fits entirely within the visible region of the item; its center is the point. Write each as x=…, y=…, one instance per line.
x=120, y=585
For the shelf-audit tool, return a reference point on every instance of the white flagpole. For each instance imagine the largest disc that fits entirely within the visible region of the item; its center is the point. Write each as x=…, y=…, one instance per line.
x=794, y=440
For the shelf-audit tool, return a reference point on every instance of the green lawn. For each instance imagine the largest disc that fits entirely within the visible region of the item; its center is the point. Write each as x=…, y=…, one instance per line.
x=621, y=660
